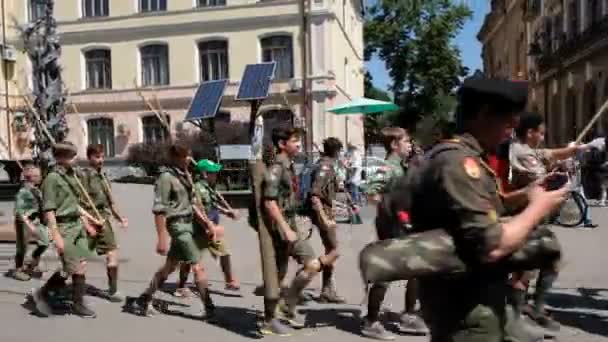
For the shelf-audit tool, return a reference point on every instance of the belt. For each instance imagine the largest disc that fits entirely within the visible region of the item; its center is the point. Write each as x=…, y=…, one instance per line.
x=180, y=219
x=66, y=219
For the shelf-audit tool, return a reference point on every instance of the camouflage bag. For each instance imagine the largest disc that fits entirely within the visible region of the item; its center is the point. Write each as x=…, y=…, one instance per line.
x=433, y=252
x=403, y=254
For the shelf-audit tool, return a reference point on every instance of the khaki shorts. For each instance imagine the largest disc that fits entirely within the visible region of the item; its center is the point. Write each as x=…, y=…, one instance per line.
x=217, y=248
x=105, y=240
x=186, y=245
x=76, y=245
x=301, y=250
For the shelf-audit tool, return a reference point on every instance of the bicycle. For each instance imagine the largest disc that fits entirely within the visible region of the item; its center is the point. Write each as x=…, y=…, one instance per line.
x=574, y=209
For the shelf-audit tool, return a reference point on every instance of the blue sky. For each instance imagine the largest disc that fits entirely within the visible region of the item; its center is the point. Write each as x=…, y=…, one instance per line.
x=470, y=48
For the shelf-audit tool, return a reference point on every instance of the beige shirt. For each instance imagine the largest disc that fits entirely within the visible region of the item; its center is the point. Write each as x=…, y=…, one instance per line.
x=527, y=164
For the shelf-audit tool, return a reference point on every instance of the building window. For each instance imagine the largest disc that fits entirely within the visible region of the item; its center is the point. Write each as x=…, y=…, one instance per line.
x=154, y=130
x=155, y=65
x=101, y=131
x=99, y=69
x=573, y=29
x=95, y=8
x=152, y=5
x=37, y=9
x=558, y=31
x=214, y=60
x=596, y=11
x=211, y=3
x=279, y=49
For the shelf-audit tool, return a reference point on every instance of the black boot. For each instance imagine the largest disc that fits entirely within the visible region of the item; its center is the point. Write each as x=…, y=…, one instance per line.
x=41, y=296
x=79, y=288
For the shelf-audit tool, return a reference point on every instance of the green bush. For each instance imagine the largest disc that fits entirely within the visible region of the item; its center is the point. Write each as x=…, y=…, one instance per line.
x=201, y=142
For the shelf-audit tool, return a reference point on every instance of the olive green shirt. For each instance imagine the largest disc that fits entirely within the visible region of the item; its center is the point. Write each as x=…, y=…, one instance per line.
x=279, y=185
x=61, y=192
x=28, y=203
x=396, y=169
x=207, y=194
x=325, y=181
x=458, y=191
x=381, y=181
x=97, y=186
x=172, y=195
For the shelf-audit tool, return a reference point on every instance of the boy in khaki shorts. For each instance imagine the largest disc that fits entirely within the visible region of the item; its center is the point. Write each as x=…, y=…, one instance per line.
x=104, y=242
x=206, y=172
x=28, y=212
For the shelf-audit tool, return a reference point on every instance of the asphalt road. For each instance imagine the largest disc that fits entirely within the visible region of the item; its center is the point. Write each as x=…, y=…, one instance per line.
x=579, y=301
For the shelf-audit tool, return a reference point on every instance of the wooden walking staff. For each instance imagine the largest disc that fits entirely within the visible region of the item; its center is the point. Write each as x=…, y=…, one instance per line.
x=596, y=117
x=224, y=202
x=90, y=201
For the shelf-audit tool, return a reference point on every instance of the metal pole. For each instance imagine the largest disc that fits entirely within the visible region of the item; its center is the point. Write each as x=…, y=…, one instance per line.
x=6, y=97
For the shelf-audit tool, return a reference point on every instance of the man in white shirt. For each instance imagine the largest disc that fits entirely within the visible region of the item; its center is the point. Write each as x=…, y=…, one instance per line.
x=356, y=166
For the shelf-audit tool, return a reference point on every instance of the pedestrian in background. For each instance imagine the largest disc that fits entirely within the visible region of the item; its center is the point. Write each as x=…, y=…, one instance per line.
x=354, y=175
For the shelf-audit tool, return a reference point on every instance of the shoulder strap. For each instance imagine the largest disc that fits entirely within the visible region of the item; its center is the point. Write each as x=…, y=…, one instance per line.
x=75, y=191
x=447, y=145
x=106, y=188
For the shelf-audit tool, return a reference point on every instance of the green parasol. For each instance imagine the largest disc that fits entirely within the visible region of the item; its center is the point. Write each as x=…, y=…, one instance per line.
x=364, y=105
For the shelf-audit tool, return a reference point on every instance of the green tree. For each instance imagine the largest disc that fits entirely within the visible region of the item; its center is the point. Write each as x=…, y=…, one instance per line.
x=375, y=122
x=414, y=39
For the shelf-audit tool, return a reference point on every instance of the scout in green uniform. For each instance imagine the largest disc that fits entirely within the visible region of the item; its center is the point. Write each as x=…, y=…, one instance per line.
x=397, y=144
x=175, y=208
x=99, y=191
x=323, y=193
x=28, y=224
x=457, y=183
x=69, y=224
x=206, y=178
x=279, y=206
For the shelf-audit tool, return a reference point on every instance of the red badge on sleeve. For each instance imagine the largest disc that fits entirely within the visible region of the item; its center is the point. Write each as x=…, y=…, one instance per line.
x=471, y=167
x=403, y=217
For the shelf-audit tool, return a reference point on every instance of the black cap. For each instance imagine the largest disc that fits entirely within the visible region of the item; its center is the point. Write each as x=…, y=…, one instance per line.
x=512, y=94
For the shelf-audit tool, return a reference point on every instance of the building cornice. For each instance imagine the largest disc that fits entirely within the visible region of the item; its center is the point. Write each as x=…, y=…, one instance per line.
x=109, y=105
x=81, y=21
x=582, y=55
x=115, y=35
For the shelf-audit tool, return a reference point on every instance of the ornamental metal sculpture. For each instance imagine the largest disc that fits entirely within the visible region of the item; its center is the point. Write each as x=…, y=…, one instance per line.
x=46, y=114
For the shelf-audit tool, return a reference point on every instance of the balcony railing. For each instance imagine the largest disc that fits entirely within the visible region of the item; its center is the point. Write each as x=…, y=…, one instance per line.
x=570, y=46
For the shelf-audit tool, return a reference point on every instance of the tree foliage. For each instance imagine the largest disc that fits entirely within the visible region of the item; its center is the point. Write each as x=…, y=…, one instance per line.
x=414, y=39
x=375, y=122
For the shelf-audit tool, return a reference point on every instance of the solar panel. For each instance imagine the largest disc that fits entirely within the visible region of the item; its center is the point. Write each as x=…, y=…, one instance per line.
x=256, y=81
x=206, y=101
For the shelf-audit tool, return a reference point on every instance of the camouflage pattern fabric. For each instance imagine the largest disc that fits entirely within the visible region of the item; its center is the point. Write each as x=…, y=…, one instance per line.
x=382, y=180
x=433, y=253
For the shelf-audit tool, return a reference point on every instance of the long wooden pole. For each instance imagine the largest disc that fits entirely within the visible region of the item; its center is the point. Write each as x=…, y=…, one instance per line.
x=153, y=109
x=596, y=117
